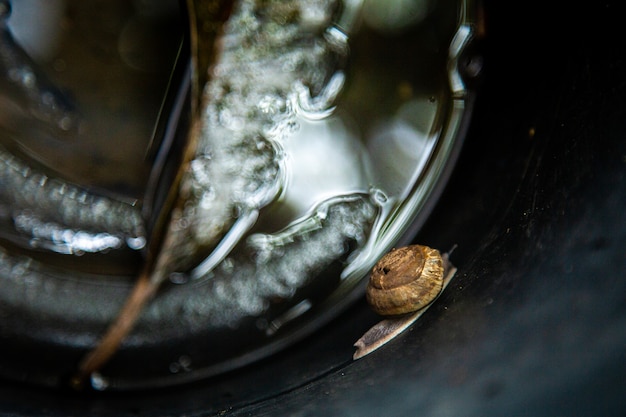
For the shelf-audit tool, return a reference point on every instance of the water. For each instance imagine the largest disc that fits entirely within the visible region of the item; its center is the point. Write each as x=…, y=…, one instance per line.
x=316, y=154
x=60, y=216
x=269, y=267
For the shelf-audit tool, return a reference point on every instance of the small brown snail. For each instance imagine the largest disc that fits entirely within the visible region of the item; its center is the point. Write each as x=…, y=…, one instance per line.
x=403, y=284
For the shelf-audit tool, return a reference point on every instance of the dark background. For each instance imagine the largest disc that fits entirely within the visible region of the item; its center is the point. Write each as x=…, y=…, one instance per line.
x=535, y=321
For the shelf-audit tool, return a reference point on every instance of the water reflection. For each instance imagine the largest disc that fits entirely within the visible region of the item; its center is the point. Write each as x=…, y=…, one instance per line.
x=41, y=40
x=324, y=159
x=394, y=15
x=403, y=145
x=357, y=150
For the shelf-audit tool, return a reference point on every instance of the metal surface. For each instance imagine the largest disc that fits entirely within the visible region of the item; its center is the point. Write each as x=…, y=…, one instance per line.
x=534, y=322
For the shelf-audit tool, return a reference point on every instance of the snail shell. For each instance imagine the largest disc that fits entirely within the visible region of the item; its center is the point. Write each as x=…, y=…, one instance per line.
x=402, y=286
x=405, y=280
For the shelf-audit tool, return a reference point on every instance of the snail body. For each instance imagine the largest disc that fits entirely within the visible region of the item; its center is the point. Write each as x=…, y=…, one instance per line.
x=402, y=285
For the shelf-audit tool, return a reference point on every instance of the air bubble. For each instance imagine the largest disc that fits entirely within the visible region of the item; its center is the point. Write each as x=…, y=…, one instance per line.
x=379, y=196
x=182, y=364
x=185, y=362
x=174, y=367
x=98, y=382
x=66, y=123
x=136, y=243
x=179, y=278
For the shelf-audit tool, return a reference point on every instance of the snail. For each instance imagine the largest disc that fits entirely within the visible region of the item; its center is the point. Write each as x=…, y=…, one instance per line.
x=403, y=284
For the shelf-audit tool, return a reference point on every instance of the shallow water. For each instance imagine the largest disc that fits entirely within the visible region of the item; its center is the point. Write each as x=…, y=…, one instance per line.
x=322, y=143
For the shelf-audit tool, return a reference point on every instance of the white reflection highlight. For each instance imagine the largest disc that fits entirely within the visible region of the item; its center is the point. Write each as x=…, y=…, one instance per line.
x=36, y=26
x=318, y=107
x=461, y=38
x=394, y=15
x=60, y=239
x=324, y=160
x=402, y=146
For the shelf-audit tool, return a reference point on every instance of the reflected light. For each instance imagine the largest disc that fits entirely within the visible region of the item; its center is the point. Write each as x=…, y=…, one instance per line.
x=324, y=160
x=394, y=15
x=39, y=39
x=402, y=146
